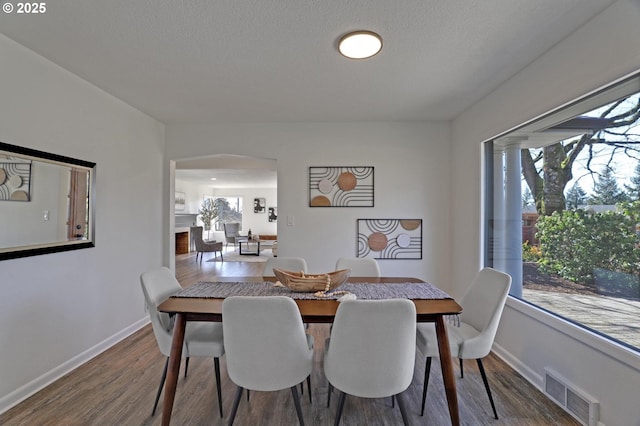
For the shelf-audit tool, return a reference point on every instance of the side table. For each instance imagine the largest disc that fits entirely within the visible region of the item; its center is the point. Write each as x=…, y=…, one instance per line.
x=249, y=250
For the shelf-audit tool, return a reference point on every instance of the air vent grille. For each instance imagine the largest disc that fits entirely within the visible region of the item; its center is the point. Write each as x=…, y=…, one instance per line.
x=575, y=402
x=555, y=390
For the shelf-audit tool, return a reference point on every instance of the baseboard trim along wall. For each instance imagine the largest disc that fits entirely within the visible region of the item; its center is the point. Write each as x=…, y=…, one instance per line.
x=529, y=374
x=39, y=383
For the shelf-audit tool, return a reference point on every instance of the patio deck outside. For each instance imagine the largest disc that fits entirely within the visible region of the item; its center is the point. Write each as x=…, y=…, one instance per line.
x=614, y=316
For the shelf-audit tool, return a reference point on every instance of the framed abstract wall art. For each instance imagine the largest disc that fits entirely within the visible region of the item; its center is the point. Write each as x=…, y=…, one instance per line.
x=273, y=214
x=181, y=201
x=341, y=186
x=389, y=238
x=15, y=179
x=259, y=205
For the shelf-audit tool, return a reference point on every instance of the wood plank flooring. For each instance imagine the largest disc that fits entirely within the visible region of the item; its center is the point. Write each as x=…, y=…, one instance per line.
x=118, y=387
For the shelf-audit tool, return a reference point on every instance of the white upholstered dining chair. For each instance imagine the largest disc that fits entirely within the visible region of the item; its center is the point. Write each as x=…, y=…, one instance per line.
x=200, y=339
x=360, y=266
x=295, y=264
x=266, y=346
x=473, y=337
x=371, y=351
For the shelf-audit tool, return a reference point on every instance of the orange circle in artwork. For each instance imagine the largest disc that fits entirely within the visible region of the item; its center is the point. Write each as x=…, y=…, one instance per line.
x=3, y=176
x=377, y=241
x=19, y=196
x=320, y=201
x=347, y=181
x=410, y=224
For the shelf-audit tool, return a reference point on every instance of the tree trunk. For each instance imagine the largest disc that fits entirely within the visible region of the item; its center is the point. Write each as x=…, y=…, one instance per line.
x=557, y=173
x=547, y=190
x=532, y=178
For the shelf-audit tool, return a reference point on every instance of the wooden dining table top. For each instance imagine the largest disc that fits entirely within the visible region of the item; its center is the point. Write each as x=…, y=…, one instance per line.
x=316, y=310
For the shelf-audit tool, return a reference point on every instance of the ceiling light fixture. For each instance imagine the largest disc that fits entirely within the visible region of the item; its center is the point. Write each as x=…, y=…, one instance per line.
x=360, y=44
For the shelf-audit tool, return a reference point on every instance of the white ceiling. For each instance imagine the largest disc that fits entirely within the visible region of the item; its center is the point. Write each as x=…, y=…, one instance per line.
x=230, y=171
x=205, y=61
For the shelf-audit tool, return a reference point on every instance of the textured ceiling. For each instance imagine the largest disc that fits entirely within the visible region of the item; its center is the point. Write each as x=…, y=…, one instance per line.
x=276, y=60
x=230, y=171
x=213, y=61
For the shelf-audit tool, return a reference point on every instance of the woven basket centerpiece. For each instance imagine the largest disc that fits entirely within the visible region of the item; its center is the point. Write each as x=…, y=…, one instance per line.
x=299, y=281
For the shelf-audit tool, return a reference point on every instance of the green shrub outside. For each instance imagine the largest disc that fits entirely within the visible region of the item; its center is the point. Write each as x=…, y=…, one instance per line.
x=530, y=253
x=573, y=243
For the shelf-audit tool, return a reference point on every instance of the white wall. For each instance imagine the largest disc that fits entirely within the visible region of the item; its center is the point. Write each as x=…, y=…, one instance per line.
x=58, y=310
x=603, y=50
x=411, y=162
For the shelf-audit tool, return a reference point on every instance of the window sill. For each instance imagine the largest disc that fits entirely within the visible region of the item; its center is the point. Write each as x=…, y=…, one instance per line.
x=593, y=340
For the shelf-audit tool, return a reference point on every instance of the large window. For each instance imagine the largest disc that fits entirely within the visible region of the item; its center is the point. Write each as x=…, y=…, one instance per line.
x=228, y=209
x=562, y=212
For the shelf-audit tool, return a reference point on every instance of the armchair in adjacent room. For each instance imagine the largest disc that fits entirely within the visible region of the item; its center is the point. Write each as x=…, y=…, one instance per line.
x=203, y=246
x=232, y=233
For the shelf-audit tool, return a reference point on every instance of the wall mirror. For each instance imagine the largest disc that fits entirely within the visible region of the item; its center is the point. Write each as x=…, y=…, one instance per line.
x=46, y=202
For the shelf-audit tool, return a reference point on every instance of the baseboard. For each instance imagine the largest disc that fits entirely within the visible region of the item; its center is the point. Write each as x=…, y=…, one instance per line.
x=14, y=398
x=530, y=375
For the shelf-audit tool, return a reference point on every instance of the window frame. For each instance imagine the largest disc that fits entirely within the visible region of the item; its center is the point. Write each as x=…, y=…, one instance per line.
x=619, y=88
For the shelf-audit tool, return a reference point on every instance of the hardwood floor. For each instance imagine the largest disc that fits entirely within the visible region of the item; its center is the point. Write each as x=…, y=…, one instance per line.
x=118, y=387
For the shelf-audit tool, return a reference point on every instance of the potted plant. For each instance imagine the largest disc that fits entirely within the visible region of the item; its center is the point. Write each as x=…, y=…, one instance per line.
x=208, y=212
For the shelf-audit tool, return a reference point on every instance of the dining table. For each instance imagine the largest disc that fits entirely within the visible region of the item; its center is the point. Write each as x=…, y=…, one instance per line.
x=203, y=302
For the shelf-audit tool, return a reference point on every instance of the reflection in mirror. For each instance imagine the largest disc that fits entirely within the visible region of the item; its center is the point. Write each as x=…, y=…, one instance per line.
x=46, y=202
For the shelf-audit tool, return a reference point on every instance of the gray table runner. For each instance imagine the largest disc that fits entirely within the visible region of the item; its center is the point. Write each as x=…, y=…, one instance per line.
x=221, y=290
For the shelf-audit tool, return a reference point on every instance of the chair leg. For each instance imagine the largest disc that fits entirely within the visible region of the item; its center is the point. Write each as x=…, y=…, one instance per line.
x=186, y=367
x=461, y=370
x=486, y=386
x=309, y=387
x=296, y=402
x=216, y=367
x=393, y=401
x=234, y=409
x=164, y=376
x=403, y=409
x=340, y=406
x=427, y=371
x=329, y=395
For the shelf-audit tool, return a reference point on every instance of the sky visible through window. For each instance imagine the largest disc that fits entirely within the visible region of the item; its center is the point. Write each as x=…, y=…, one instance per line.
x=623, y=164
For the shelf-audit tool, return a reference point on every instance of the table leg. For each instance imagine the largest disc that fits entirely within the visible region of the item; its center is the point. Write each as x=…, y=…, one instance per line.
x=446, y=364
x=174, y=367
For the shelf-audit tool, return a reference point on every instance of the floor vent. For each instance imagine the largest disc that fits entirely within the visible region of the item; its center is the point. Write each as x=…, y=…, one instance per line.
x=581, y=406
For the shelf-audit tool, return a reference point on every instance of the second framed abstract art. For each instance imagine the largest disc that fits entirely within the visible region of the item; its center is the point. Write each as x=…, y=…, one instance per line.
x=389, y=238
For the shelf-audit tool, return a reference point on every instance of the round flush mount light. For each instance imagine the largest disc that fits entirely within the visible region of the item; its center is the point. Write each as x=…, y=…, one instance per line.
x=360, y=44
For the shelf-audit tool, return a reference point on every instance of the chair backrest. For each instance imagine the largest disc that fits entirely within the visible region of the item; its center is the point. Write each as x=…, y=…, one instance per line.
x=482, y=308
x=360, y=266
x=372, y=348
x=157, y=285
x=296, y=264
x=265, y=342
x=197, y=237
x=231, y=229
